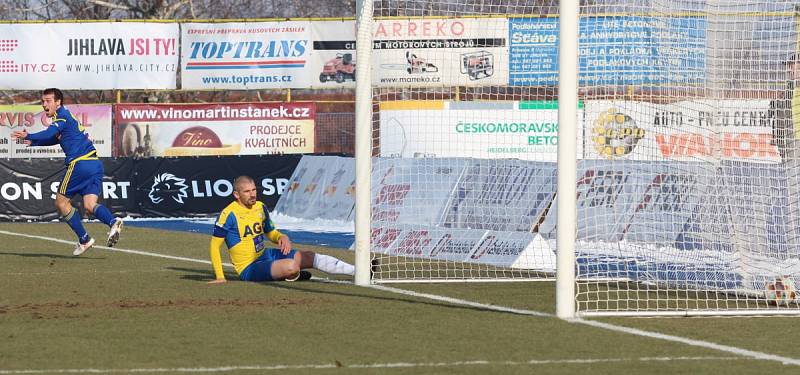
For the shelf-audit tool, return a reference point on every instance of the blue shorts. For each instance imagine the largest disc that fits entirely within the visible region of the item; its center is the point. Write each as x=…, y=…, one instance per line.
x=82, y=177
x=261, y=268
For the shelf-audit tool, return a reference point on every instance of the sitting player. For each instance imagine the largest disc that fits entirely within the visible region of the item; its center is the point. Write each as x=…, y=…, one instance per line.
x=245, y=226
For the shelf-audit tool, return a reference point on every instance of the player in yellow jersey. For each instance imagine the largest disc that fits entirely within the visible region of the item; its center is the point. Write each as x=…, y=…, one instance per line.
x=245, y=227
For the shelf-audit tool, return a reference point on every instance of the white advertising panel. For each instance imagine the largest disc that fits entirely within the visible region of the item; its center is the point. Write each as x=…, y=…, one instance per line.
x=333, y=59
x=321, y=187
x=496, y=130
x=114, y=55
x=400, y=196
x=96, y=119
x=706, y=130
x=501, y=249
x=146, y=130
x=245, y=55
x=440, y=52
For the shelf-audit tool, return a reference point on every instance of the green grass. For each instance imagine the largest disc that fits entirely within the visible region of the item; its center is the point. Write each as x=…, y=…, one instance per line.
x=111, y=310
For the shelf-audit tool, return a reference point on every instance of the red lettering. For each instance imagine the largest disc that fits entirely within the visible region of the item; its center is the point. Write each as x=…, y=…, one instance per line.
x=728, y=145
x=383, y=239
x=386, y=216
x=766, y=148
x=381, y=30
x=412, y=29
x=741, y=140
x=397, y=29
x=420, y=28
x=696, y=145
x=413, y=243
x=457, y=28
x=393, y=194
x=669, y=148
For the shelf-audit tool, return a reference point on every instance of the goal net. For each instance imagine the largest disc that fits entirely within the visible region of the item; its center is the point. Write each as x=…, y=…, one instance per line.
x=687, y=188
x=686, y=175
x=464, y=146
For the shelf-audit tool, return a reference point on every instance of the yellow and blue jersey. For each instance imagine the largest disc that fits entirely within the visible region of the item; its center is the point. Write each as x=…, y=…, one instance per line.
x=84, y=173
x=68, y=132
x=246, y=232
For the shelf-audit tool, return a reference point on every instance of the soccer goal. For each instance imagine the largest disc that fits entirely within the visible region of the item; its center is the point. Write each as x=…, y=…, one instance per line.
x=675, y=191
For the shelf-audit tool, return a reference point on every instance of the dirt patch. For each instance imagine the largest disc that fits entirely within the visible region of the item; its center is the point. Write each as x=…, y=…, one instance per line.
x=68, y=309
x=189, y=303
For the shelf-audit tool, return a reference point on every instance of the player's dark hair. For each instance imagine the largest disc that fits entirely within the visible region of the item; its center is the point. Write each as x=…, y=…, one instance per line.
x=57, y=94
x=241, y=180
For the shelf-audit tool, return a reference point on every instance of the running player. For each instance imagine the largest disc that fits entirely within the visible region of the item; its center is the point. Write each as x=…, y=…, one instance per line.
x=84, y=172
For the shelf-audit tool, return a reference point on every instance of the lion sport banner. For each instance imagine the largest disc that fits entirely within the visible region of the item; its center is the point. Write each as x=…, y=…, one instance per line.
x=150, y=187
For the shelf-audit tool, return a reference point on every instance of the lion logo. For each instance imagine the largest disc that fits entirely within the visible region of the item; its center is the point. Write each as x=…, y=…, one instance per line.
x=168, y=186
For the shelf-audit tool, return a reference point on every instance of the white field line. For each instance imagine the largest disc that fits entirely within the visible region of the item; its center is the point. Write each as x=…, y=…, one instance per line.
x=128, y=251
x=456, y=301
x=606, y=326
x=369, y=365
x=461, y=302
x=82, y=272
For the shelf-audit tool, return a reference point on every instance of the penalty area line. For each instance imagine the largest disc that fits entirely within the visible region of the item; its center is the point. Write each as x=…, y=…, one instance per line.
x=456, y=301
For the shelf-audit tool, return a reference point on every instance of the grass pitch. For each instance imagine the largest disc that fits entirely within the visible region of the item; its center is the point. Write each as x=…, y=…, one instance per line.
x=120, y=312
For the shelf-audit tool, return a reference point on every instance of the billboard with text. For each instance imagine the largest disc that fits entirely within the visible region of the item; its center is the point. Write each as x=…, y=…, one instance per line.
x=614, y=50
x=96, y=119
x=486, y=130
x=103, y=55
x=334, y=54
x=146, y=130
x=440, y=52
x=707, y=130
x=245, y=55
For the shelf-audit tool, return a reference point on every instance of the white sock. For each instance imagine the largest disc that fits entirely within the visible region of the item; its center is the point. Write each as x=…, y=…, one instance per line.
x=329, y=264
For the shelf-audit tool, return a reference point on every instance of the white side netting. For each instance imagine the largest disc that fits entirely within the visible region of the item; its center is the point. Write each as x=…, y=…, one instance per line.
x=463, y=161
x=687, y=190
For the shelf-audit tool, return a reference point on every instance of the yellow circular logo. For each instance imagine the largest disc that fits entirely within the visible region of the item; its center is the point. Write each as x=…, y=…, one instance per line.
x=615, y=134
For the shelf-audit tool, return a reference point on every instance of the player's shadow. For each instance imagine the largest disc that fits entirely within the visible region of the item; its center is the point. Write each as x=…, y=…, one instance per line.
x=318, y=287
x=47, y=255
x=205, y=275
x=197, y=274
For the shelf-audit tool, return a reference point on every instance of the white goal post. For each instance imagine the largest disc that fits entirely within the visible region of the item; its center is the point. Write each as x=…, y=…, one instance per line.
x=641, y=153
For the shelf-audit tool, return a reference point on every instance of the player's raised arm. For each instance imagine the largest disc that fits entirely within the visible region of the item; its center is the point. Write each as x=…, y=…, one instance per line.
x=21, y=134
x=47, y=137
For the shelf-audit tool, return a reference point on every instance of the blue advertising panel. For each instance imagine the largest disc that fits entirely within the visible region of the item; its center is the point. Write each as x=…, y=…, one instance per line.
x=533, y=51
x=613, y=50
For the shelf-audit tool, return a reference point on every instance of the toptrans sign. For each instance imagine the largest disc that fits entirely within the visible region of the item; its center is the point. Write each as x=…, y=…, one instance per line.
x=246, y=55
